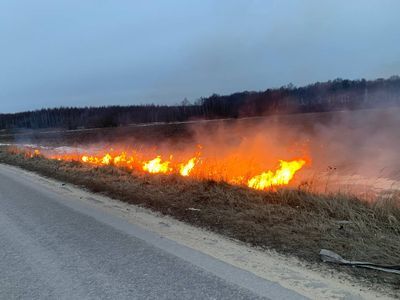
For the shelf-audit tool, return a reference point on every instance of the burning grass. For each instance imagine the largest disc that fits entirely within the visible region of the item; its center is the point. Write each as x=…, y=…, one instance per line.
x=291, y=221
x=235, y=169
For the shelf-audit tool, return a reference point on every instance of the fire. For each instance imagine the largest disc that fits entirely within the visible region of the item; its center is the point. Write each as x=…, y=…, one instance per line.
x=106, y=159
x=120, y=159
x=156, y=166
x=235, y=169
x=282, y=176
x=187, y=168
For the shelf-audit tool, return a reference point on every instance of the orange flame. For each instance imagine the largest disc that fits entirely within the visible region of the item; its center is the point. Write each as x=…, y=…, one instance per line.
x=188, y=167
x=106, y=160
x=234, y=169
x=31, y=154
x=282, y=176
x=156, y=166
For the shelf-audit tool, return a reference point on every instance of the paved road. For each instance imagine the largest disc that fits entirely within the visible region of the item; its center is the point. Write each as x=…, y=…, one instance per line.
x=52, y=247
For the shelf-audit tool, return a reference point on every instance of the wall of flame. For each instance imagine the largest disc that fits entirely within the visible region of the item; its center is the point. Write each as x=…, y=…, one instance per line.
x=232, y=169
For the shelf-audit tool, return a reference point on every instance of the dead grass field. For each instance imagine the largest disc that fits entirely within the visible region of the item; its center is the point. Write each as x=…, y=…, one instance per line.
x=293, y=222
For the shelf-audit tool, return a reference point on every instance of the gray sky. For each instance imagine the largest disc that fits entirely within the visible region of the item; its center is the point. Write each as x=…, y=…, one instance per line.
x=100, y=52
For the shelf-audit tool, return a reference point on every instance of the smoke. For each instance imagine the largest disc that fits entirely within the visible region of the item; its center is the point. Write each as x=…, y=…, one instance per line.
x=364, y=142
x=356, y=149
x=348, y=148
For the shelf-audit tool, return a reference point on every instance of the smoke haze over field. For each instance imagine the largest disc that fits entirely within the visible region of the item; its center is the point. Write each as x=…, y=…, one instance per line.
x=354, y=146
x=77, y=53
x=362, y=142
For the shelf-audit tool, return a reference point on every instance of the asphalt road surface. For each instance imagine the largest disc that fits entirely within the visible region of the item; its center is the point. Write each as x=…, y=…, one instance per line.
x=55, y=247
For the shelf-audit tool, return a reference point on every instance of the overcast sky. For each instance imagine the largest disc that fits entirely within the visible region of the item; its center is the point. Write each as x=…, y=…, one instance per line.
x=100, y=52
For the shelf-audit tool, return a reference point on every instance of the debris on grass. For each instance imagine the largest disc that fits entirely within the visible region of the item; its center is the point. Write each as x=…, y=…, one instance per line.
x=332, y=257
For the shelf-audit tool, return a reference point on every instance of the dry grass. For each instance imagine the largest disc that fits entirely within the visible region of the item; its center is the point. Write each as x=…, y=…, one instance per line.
x=292, y=222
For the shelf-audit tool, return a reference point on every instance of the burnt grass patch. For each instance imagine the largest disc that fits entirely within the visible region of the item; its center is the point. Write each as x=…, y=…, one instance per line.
x=292, y=222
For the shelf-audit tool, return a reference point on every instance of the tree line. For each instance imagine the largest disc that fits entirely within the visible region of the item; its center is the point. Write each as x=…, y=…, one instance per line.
x=338, y=94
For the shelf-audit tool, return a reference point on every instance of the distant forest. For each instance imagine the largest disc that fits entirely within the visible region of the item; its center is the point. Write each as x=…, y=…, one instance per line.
x=338, y=94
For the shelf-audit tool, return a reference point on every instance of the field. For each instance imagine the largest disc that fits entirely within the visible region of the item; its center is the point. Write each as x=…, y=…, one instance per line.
x=325, y=207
